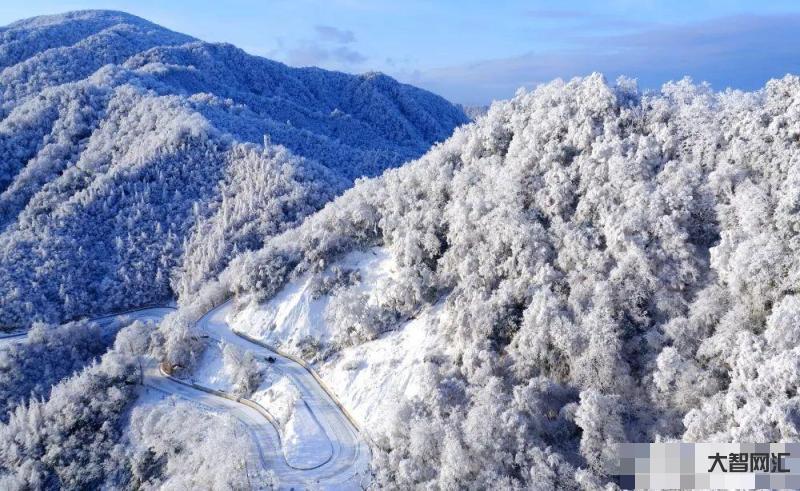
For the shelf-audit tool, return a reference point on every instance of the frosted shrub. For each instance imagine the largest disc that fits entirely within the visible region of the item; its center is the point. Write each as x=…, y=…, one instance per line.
x=49, y=354
x=354, y=318
x=243, y=369
x=333, y=278
x=46, y=445
x=310, y=349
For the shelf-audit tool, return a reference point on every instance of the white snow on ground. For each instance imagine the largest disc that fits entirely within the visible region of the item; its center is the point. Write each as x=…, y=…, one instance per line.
x=278, y=394
x=371, y=378
x=347, y=468
x=204, y=447
x=210, y=371
x=305, y=444
x=7, y=339
x=294, y=313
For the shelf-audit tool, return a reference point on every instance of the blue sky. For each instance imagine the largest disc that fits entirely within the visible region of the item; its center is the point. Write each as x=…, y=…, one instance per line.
x=474, y=51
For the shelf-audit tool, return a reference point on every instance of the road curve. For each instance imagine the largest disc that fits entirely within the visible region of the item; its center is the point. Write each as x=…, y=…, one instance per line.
x=348, y=467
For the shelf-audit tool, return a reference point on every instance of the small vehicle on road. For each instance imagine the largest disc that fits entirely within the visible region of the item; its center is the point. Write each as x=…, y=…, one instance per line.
x=271, y=359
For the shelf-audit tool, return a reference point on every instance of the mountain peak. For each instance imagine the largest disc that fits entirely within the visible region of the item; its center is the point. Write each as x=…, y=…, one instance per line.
x=109, y=17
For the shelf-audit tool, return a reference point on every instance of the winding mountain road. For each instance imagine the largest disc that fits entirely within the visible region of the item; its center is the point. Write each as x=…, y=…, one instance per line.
x=348, y=467
x=349, y=464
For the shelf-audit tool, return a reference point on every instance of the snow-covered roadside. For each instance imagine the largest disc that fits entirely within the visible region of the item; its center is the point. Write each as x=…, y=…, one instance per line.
x=304, y=443
x=369, y=379
x=347, y=464
x=8, y=339
x=210, y=371
x=196, y=445
x=296, y=313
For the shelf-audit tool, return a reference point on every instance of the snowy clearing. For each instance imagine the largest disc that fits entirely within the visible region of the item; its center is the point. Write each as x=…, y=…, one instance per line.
x=297, y=311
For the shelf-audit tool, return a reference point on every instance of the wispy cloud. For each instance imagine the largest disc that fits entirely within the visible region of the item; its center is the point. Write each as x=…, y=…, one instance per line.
x=748, y=49
x=330, y=33
x=308, y=54
x=330, y=48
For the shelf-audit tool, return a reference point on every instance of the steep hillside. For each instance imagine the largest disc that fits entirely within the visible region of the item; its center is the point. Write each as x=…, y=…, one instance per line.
x=583, y=265
x=134, y=161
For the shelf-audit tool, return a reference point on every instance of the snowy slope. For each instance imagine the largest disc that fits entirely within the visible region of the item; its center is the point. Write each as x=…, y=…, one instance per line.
x=374, y=378
x=135, y=161
x=318, y=441
x=297, y=311
x=304, y=442
x=371, y=379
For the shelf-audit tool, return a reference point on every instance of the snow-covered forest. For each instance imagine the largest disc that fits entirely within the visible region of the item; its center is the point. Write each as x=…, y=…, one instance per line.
x=590, y=263
x=613, y=265
x=134, y=161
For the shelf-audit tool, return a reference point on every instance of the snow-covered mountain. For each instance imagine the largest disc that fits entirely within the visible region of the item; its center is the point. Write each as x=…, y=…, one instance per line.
x=583, y=265
x=135, y=160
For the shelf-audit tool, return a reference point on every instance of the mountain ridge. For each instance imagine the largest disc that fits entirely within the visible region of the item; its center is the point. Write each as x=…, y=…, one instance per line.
x=124, y=143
